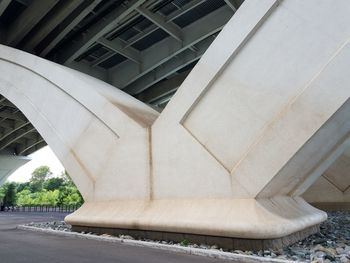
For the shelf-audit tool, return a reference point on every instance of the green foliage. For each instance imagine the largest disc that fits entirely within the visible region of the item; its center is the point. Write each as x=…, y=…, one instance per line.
x=23, y=186
x=184, y=243
x=41, y=190
x=53, y=183
x=8, y=194
x=39, y=175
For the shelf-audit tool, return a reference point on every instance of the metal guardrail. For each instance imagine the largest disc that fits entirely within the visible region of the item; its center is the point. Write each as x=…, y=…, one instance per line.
x=40, y=208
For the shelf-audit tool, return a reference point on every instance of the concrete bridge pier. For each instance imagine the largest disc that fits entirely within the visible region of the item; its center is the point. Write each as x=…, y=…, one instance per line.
x=260, y=118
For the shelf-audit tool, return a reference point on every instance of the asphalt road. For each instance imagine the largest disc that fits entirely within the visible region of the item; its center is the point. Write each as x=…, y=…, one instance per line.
x=17, y=246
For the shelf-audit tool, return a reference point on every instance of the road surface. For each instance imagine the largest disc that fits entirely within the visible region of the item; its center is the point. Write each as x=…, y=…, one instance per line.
x=17, y=246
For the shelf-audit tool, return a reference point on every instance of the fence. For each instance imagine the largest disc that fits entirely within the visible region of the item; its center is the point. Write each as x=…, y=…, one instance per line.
x=41, y=208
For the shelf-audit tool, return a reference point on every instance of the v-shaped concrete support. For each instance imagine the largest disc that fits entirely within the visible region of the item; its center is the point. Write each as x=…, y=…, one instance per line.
x=257, y=121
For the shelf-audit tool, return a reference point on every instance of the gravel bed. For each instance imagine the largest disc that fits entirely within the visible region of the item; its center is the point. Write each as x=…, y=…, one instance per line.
x=332, y=244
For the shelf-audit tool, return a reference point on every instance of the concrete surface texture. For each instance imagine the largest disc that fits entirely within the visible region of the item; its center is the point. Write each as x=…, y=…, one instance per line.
x=333, y=187
x=9, y=164
x=264, y=113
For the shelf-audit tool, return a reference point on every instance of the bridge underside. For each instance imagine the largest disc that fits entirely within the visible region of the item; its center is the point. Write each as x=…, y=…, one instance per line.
x=17, y=135
x=259, y=119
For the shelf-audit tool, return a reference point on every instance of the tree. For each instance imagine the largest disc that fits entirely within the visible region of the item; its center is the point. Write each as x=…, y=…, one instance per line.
x=8, y=194
x=38, y=178
x=53, y=183
x=23, y=186
x=41, y=190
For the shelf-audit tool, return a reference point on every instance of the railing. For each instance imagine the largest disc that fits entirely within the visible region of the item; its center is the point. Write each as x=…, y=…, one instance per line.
x=41, y=208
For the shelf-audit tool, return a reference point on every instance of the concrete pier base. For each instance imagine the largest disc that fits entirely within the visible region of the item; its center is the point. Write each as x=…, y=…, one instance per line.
x=226, y=243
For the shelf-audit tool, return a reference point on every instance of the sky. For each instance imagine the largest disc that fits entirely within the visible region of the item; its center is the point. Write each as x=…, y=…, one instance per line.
x=44, y=156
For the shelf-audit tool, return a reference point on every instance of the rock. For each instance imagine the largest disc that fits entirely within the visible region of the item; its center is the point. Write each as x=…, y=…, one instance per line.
x=239, y=252
x=214, y=247
x=344, y=259
x=340, y=250
x=282, y=257
x=295, y=258
x=347, y=249
x=126, y=237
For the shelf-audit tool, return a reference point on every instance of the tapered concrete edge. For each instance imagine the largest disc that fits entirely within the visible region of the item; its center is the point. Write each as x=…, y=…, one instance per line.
x=171, y=248
x=273, y=218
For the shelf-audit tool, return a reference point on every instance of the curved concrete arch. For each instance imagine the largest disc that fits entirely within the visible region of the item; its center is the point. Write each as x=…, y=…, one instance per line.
x=83, y=124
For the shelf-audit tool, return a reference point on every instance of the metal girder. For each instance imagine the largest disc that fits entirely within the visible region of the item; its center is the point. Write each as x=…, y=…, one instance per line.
x=127, y=72
x=73, y=19
x=16, y=127
x=15, y=136
x=117, y=46
x=150, y=30
x=3, y=5
x=60, y=13
x=231, y=4
x=7, y=124
x=102, y=58
x=160, y=21
x=27, y=20
x=141, y=35
x=34, y=148
x=186, y=8
x=163, y=88
x=97, y=31
x=13, y=116
x=7, y=103
x=28, y=145
x=169, y=68
x=165, y=99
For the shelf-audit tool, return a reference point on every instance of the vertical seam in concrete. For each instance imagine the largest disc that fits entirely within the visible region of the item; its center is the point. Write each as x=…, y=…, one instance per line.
x=150, y=152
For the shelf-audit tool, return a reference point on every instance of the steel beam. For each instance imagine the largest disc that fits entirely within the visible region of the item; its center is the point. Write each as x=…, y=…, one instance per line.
x=127, y=72
x=165, y=99
x=3, y=5
x=163, y=88
x=27, y=20
x=160, y=21
x=186, y=8
x=97, y=31
x=103, y=58
x=169, y=68
x=7, y=124
x=34, y=148
x=13, y=116
x=231, y=4
x=30, y=144
x=74, y=19
x=50, y=23
x=141, y=35
x=15, y=136
x=117, y=46
x=18, y=125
